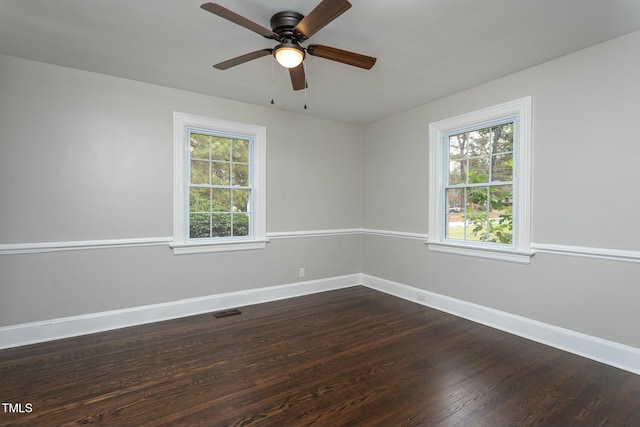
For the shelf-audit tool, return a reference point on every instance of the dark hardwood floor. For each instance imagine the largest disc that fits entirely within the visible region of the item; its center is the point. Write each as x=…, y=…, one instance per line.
x=351, y=357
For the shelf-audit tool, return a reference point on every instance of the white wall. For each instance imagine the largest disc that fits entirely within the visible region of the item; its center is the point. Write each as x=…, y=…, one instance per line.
x=585, y=180
x=86, y=157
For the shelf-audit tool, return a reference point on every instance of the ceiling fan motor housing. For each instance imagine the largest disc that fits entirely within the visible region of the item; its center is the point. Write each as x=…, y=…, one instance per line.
x=282, y=23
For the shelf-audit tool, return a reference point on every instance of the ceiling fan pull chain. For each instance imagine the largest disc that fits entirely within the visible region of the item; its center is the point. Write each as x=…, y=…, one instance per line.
x=304, y=66
x=272, y=80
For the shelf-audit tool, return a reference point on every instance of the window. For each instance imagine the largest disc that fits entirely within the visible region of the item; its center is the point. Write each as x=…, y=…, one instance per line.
x=479, y=192
x=479, y=185
x=219, y=185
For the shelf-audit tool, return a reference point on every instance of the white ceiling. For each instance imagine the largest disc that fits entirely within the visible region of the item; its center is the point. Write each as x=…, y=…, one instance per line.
x=426, y=49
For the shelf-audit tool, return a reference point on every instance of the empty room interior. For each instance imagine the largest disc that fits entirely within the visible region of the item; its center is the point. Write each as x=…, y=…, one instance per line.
x=429, y=218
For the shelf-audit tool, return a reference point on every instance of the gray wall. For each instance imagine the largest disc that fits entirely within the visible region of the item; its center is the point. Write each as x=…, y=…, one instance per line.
x=585, y=180
x=85, y=156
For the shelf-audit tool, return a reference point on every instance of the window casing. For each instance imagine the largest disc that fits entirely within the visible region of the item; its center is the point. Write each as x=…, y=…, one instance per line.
x=479, y=192
x=219, y=185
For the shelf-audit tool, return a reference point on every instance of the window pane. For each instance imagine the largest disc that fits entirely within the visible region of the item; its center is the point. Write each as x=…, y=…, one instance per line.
x=502, y=167
x=502, y=140
x=501, y=214
x=199, y=226
x=455, y=230
x=200, y=171
x=478, y=144
x=240, y=149
x=221, y=148
x=477, y=198
x=221, y=225
x=241, y=224
x=477, y=226
x=241, y=200
x=455, y=200
x=476, y=213
x=455, y=215
x=478, y=170
x=240, y=174
x=220, y=173
x=457, y=146
x=221, y=199
x=460, y=226
x=199, y=200
x=501, y=197
x=200, y=146
x=457, y=172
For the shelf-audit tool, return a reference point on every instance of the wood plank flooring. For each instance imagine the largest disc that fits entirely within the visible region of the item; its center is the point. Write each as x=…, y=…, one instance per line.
x=351, y=357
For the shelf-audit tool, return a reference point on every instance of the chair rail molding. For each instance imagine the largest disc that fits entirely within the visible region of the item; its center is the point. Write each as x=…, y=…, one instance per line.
x=555, y=249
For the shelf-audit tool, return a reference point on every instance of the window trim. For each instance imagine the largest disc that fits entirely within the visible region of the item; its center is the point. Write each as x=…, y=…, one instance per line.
x=520, y=250
x=181, y=244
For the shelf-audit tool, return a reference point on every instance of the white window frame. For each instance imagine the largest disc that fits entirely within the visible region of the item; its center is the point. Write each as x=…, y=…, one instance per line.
x=519, y=251
x=182, y=244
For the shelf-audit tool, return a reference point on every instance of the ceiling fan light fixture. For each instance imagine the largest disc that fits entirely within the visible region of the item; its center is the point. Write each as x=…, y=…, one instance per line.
x=289, y=55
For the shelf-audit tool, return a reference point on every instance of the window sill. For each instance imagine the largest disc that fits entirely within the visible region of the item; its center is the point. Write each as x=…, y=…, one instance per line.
x=511, y=255
x=228, y=246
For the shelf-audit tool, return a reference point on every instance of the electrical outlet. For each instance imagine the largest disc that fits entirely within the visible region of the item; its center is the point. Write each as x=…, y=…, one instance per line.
x=301, y=272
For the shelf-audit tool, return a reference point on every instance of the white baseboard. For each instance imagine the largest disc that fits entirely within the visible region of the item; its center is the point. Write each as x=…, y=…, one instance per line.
x=598, y=349
x=48, y=330
x=608, y=352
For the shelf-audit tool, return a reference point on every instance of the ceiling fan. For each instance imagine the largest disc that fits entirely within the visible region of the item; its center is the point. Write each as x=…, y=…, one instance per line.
x=290, y=29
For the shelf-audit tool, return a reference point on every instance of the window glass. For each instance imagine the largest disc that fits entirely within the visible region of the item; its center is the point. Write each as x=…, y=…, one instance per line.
x=220, y=186
x=479, y=185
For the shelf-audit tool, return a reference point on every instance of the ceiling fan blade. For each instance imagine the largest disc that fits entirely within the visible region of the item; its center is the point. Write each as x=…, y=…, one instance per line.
x=344, y=56
x=230, y=15
x=324, y=13
x=242, y=59
x=298, y=78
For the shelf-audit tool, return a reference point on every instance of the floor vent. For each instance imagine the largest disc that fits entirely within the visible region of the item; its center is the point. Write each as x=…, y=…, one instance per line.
x=225, y=313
